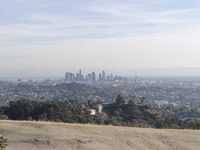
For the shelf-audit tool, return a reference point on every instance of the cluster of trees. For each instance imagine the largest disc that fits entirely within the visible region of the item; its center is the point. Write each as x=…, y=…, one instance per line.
x=195, y=125
x=65, y=111
x=131, y=114
x=74, y=111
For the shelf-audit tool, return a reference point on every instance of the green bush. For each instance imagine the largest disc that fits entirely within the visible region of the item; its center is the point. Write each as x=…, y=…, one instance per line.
x=3, y=117
x=3, y=143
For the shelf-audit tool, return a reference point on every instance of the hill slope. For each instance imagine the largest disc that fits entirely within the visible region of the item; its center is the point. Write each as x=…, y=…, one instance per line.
x=59, y=136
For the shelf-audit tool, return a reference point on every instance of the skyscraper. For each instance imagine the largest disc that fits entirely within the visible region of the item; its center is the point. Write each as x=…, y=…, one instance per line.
x=79, y=75
x=93, y=76
x=111, y=77
x=80, y=72
x=103, y=75
x=69, y=76
x=100, y=77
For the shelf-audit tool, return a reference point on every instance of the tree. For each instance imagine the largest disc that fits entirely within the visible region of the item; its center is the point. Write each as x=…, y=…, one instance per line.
x=142, y=99
x=120, y=101
x=131, y=103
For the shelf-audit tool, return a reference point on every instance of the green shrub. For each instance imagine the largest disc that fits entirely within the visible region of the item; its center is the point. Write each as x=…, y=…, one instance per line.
x=3, y=117
x=3, y=143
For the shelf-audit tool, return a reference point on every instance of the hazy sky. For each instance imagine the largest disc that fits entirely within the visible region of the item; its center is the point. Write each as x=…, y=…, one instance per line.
x=41, y=37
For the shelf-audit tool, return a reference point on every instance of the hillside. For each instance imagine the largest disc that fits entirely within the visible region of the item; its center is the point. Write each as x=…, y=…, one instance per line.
x=60, y=136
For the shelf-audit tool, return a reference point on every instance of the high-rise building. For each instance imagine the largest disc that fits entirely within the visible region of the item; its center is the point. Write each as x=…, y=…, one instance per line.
x=103, y=75
x=100, y=77
x=111, y=77
x=93, y=76
x=89, y=77
x=77, y=77
x=81, y=77
x=69, y=76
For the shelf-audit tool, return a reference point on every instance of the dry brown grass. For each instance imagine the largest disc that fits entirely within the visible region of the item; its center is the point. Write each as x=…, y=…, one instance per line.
x=60, y=136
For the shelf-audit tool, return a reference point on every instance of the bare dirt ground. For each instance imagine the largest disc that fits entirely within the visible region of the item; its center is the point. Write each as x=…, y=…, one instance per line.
x=60, y=136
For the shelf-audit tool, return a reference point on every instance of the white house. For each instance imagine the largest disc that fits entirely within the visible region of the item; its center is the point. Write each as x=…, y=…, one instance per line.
x=92, y=112
x=99, y=108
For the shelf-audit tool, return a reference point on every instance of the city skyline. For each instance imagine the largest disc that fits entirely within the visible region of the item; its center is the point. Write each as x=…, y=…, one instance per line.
x=91, y=76
x=56, y=73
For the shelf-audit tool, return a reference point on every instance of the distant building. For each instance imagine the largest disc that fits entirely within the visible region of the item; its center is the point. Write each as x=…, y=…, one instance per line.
x=93, y=76
x=92, y=112
x=81, y=77
x=69, y=76
x=111, y=76
x=103, y=75
x=159, y=103
x=100, y=77
x=89, y=77
x=99, y=108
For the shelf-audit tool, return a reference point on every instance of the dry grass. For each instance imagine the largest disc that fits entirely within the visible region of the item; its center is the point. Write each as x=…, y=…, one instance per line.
x=60, y=136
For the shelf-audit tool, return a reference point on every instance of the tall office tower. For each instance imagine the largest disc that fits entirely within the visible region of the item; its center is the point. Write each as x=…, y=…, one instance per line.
x=77, y=77
x=93, y=76
x=80, y=76
x=103, y=75
x=111, y=77
x=89, y=77
x=136, y=79
x=66, y=76
x=69, y=76
x=100, y=77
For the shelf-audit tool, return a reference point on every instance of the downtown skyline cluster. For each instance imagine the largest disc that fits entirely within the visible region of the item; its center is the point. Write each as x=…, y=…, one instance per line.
x=93, y=76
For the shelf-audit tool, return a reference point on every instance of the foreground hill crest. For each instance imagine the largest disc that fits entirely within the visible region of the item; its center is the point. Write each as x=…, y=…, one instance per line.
x=61, y=136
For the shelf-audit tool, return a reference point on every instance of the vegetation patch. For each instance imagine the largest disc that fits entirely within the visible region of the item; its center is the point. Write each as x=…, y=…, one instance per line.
x=117, y=113
x=3, y=143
